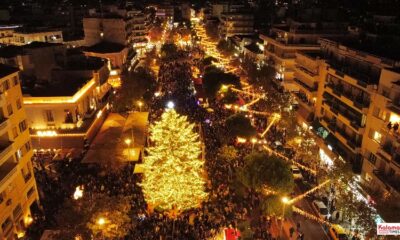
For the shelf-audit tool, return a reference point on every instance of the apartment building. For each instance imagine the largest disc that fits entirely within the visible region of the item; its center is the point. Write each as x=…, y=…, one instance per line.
x=67, y=111
x=137, y=27
x=283, y=41
x=381, y=152
x=6, y=33
x=236, y=23
x=18, y=191
x=349, y=96
x=25, y=36
x=110, y=27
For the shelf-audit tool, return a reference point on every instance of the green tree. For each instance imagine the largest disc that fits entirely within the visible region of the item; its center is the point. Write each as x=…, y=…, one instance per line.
x=239, y=125
x=169, y=50
x=225, y=47
x=272, y=205
x=266, y=172
x=227, y=153
x=135, y=86
x=111, y=223
x=214, y=78
x=229, y=97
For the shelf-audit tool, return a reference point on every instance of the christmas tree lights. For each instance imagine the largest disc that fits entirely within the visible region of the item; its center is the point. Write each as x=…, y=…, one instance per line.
x=174, y=179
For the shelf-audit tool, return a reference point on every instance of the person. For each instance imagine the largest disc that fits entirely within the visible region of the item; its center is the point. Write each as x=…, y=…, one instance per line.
x=291, y=230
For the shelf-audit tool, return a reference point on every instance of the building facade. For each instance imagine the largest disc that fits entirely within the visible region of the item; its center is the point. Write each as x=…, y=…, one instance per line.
x=283, y=41
x=27, y=37
x=236, y=23
x=349, y=98
x=18, y=191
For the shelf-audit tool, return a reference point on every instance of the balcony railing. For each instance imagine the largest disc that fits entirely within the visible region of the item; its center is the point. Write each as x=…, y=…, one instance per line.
x=339, y=90
x=390, y=181
x=27, y=177
x=3, y=123
x=306, y=71
x=311, y=89
x=5, y=149
x=363, y=77
x=303, y=98
x=7, y=169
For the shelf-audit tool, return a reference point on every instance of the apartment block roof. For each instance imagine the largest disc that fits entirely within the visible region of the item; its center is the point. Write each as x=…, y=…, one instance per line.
x=7, y=70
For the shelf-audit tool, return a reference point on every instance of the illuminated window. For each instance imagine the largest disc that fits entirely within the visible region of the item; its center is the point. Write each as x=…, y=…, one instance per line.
x=377, y=137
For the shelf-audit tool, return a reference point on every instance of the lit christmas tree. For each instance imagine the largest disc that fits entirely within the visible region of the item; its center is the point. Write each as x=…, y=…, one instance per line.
x=174, y=179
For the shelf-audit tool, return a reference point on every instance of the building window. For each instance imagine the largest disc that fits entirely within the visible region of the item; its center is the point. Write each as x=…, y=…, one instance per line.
x=15, y=132
x=18, y=103
x=30, y=192
x=15, y=80
x=18, y=154
x=9, y=109
x=2, y=197
x=28, y=146
x=6, y=85
x=49, y=116
x=17, y=211
x=22, y=126
x=372, y=158
x=377, y=137
x=6, y=224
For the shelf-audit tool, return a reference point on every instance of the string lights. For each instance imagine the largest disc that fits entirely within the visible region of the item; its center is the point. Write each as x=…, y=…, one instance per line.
x=174, y=178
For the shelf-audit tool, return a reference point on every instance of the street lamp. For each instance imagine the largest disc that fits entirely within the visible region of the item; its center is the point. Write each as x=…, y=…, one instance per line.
x=285, y=201
x=170, y=105
x=140, y=105
x=128, y=142
x=101, y=221
x=253, y=141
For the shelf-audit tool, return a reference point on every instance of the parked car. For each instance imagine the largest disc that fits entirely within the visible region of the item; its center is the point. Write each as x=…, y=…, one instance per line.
x=321, y=209
x=296, y=172
x=337, y=232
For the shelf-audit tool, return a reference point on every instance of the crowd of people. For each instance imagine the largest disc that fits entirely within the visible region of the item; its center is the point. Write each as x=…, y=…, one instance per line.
x=224, y=209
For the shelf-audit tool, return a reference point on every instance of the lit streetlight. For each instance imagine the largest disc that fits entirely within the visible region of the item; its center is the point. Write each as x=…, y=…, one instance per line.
x=170, y=105
x=140, y=105
x=285, y=201
x=101, y=221
x=78, y=193
x=253, y=141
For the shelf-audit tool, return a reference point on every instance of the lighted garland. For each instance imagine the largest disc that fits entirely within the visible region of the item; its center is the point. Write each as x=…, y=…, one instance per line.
x=174, y=178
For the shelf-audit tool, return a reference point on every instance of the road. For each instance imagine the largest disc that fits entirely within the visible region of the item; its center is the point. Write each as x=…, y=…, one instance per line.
x=312, y=230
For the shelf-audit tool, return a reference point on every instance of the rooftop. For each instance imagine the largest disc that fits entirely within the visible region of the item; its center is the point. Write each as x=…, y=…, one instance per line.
x=254, y=48
x=7, y=70
x=385, y=47
x=10, y=51
x=33, y=45
x=57, y=89
x=105, y=47
x=79, y=62
x=35, y=30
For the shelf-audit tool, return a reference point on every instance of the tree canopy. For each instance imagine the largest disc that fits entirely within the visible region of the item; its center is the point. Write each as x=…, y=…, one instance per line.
x=262, y=171
x=239, y=125
x=214, y=78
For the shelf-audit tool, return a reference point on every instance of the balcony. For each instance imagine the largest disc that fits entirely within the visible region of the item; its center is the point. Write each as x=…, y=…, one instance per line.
x=5, y=149
x=351, y=141
x=306, y=71
x=310, y=89
x=390, y=181
x=339, y=90
x=3, y=124
x=7, y=169
x=362, y=76
x=303, y=99
x=352, y=117
x=27, y=177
